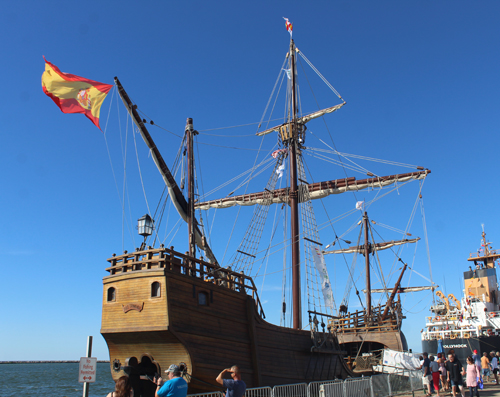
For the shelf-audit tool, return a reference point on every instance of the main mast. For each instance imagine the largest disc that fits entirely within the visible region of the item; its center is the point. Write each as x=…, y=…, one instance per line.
x=294, y=200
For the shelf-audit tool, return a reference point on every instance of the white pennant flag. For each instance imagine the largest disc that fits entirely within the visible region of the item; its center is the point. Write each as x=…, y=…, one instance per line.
x=360, y=205
x=280, y=170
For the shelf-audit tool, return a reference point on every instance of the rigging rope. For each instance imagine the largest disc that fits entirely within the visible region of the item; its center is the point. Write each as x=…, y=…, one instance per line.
x=111, y=161
x=320, y=75
x=427, y=243
x=244, y=257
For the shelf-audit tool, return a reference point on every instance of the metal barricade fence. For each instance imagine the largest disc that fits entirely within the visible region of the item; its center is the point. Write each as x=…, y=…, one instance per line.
x=259, y=392
x=416, y=380
x=400, y=382
x=380, y=385
x=295, y=390
x=313, y=387
x=358, y=387
x=332, y=389
x=212, y=394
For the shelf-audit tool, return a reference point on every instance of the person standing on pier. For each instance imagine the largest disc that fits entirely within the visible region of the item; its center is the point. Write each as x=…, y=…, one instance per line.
x=454, y=370
x=434, y=367
x=494, y=366
x=485, y=365
x=426, y=373
x=235, y=386
x=473, y=375
x=123, y=388
x=174, y=387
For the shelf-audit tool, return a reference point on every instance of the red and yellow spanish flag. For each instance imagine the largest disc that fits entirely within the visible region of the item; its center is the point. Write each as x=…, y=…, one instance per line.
x=74, y=94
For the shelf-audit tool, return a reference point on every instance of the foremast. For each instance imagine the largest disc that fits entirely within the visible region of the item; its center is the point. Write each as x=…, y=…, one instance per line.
x=183, y=207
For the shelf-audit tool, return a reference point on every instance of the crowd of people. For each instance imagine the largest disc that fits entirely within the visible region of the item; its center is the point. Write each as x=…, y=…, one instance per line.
x=445, y=371
x=176, y=386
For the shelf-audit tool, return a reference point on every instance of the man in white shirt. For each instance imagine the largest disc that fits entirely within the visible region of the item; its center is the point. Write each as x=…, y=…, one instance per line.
x=494, y=366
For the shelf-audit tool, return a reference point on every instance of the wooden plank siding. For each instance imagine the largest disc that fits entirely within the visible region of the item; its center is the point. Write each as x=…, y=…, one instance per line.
x=228, y=330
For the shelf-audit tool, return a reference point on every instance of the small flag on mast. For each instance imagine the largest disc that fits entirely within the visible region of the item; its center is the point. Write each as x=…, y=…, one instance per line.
x=288, y=73
x=74, y=94
x=289, y=26
x=280, y=170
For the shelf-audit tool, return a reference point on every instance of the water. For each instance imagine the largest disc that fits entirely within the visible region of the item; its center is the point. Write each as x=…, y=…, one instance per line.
x=51, y=380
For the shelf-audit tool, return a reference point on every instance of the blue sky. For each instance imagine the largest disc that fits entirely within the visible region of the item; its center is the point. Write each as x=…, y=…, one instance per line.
x=421, y=83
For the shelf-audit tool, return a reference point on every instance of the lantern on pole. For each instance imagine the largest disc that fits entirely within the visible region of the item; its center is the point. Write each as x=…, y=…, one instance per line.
x=145, y=225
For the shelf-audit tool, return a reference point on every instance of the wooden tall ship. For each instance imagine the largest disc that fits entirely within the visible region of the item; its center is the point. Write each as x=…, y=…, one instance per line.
x=374, y=327
x=161, y=306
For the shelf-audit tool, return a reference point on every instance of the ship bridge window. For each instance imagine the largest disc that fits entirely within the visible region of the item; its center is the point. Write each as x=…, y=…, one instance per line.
x=111, y=294
x=202, y=299
x=155, y=290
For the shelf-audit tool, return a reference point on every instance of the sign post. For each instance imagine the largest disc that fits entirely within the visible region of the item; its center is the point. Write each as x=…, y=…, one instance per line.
x=88, y=368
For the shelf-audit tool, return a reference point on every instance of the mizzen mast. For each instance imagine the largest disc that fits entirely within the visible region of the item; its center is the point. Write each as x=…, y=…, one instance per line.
x=367, y=263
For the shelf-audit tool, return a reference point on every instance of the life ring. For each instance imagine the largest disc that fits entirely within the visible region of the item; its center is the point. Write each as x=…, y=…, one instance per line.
x=466, y=335
x=490, y=332
x=493, y=314
x=438, y=318
x=453, y=336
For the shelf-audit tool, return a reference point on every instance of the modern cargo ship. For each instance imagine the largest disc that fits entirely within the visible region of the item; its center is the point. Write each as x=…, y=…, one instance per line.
x=473, y=323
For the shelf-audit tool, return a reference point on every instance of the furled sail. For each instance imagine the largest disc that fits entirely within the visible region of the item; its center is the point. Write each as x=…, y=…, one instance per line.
x=373, y=247
x=304, y=119
x=316, y=190
x=403, y=289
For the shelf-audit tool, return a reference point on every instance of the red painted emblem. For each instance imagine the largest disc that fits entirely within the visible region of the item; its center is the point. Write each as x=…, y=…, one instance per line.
x=84, y=99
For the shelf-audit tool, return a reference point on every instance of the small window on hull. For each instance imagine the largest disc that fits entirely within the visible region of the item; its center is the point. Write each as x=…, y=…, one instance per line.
x=202, y=299
x=111, y=294
x=155, y=290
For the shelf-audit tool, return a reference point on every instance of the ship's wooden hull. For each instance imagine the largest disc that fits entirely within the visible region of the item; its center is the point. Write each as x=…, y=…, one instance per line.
x=209, y=326
x=373, y=340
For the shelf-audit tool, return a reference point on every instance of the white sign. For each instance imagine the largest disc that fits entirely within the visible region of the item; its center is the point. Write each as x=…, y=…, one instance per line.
x=87, y=370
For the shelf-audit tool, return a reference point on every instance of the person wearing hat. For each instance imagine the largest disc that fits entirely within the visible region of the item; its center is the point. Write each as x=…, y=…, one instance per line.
x=477, y=358
x=235, y=386
x=174, y=387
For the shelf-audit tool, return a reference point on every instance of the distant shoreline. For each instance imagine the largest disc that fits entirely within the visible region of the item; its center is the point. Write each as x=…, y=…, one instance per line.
x=47, y=362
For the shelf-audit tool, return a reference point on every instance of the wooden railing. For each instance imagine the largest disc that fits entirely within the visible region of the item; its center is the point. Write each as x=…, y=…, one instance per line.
x=173, y=261
x=359, y=321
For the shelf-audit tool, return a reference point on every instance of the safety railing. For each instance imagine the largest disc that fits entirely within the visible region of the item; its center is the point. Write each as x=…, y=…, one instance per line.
x=382, y=385
x=313, y=387
x=259, y=392
x=213, y=394
x=356, y=387
x=295, y=390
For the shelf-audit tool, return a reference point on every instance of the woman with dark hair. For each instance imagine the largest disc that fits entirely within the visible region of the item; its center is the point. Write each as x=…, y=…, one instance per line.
x=123, y=388
x=473, y=373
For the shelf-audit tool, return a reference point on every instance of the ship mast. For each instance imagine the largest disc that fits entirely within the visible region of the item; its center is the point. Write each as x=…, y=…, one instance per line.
x=367, y=262
x=294, y=200
x=190, y=133
x=180, y=203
